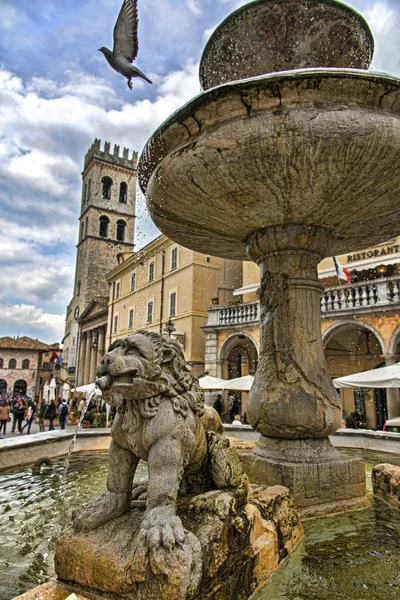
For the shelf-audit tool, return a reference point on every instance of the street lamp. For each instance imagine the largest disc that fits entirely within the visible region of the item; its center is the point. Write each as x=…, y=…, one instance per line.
x=169, y=327
x=94, y=344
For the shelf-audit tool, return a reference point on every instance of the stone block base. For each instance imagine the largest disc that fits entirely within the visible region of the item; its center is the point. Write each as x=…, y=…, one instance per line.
x=232, y=546
x=318, y=487
x=386, y=483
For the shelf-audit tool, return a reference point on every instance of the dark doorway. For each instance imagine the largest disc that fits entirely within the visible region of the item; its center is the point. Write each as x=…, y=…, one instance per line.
x=20, y=387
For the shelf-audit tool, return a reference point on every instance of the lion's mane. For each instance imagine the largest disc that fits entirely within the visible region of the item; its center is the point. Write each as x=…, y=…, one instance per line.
x=175, y=382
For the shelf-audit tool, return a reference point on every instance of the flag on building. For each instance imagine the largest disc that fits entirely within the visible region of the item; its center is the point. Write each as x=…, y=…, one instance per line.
x=341, y=272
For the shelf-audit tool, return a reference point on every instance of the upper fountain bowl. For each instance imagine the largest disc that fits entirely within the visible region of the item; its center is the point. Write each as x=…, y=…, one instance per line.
x=268, y=36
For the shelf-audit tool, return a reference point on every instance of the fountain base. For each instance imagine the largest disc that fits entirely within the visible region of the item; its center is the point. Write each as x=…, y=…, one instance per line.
x=232, y=546
x=321, y=480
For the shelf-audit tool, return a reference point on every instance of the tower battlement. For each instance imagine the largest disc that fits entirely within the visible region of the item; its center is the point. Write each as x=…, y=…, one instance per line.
x=105, y=155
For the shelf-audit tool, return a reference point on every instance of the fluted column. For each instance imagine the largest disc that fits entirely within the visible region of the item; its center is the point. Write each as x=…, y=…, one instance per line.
x=81, y=357
x=88, y=352
x=93, y=358
x=101, y=344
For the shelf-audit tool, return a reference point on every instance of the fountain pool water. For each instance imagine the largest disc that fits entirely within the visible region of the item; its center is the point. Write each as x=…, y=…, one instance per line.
x=32, y=514
x=353, y=555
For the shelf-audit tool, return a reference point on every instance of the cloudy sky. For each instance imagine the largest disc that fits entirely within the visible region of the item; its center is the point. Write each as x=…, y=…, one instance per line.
x=57, y=94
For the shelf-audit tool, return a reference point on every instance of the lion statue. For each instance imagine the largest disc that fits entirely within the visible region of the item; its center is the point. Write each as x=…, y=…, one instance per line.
x=161, y=419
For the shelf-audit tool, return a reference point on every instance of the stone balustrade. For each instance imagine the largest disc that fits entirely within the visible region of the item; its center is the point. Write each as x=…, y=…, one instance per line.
x=379, y=293
x=367, y=294
x=236, y=314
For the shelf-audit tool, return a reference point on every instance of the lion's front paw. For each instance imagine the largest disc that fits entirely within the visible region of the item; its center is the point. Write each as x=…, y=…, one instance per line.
x=162, y=528
x=100, y=510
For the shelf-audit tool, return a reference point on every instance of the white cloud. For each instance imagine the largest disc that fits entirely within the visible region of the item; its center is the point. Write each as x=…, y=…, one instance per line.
x=46, y=130
x=194, y=7
x=9, y=16
x=385, y=25
x=30, y=320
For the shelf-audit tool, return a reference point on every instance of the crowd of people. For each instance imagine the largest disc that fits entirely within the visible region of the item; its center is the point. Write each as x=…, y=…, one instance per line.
x=20, y=412
x=230, y=409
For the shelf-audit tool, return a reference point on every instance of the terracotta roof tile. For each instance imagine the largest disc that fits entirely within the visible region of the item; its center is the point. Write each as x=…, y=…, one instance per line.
x=23, y=342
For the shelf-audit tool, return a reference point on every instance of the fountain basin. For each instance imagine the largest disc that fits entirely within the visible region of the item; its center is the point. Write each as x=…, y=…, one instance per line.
x=311, y=146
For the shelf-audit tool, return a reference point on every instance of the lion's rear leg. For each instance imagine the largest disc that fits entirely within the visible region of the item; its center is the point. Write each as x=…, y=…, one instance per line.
x=117, y=499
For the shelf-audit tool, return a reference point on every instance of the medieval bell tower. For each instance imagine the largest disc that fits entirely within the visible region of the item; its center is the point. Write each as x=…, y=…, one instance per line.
x=106, y=229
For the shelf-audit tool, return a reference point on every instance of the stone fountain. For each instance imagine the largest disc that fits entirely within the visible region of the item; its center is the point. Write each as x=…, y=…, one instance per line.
x=288, y=156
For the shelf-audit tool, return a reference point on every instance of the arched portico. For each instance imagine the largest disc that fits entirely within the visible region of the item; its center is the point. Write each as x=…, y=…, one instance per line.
x=353, y=346
x=238, y=355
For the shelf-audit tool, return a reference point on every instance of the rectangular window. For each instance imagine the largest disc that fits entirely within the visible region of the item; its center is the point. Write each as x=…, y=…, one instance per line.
x=117, y=290
x=116, y=324
x=150, y=306
x=133, y=282
x=172, y=304
x=130, y=320
x=151, y=271
x=174, y=258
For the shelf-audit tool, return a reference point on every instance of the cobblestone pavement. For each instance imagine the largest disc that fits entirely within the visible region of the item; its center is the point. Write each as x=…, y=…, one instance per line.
x=34, y=429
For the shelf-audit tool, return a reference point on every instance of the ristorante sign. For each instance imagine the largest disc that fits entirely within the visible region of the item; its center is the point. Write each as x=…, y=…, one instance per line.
x=384, y=251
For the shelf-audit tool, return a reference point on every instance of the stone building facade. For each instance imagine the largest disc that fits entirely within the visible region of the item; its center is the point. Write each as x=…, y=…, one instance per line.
x=165, y=285
x=24, y=365
x=106, y=230
x=360, y=327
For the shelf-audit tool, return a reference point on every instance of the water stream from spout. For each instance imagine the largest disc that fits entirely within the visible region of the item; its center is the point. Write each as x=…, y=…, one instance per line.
x=72, y=444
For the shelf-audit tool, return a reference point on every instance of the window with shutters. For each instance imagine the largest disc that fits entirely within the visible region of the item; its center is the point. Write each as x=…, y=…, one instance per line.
x=115, y=329
x=150, y=308
x=174, y=258
x=130, y=319
x=133, y=282
x=172, y=304
x=151, y=271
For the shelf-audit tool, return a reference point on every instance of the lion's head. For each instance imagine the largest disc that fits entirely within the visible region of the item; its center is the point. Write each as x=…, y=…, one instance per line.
x=147, y=366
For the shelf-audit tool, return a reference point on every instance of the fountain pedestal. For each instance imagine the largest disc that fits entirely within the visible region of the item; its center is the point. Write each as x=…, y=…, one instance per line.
x=293, y=403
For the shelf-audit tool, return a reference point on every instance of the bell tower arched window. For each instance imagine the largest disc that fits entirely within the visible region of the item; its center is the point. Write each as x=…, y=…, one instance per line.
x=12, y=363
x=86, y=225
x=106, y=187
x=25, y=363
x=123, y=193
x=103, y=226
x=121, y=226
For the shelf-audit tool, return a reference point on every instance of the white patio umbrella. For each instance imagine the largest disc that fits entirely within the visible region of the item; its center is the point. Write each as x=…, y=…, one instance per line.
x=385, y=377
x=66, y=392
x=240, y=384
x=46, y=392
x=211, y=383
x=88, y=388
x=52, y=388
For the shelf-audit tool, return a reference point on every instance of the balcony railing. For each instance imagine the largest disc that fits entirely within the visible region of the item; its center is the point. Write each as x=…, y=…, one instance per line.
x=373, y=294
x=376, y=294
x=238, y=314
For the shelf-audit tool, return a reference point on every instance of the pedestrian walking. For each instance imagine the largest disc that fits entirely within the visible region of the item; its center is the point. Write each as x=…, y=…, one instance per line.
x=19, y=412
x=63, y=412
x=30, y=415
x=51, y=414
x=42, y=414
x=4, y=416
x=14, y=403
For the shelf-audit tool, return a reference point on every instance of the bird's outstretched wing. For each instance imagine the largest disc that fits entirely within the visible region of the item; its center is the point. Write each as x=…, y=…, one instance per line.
x=126, y=41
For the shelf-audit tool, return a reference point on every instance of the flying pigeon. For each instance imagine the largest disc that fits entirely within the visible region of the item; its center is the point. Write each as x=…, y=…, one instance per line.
x=126, y=43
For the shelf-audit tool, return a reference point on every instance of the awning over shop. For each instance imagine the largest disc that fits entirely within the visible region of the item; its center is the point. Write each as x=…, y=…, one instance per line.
x=386, y=377
x=209, y=383
x=87, y=389
x=240, y=384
